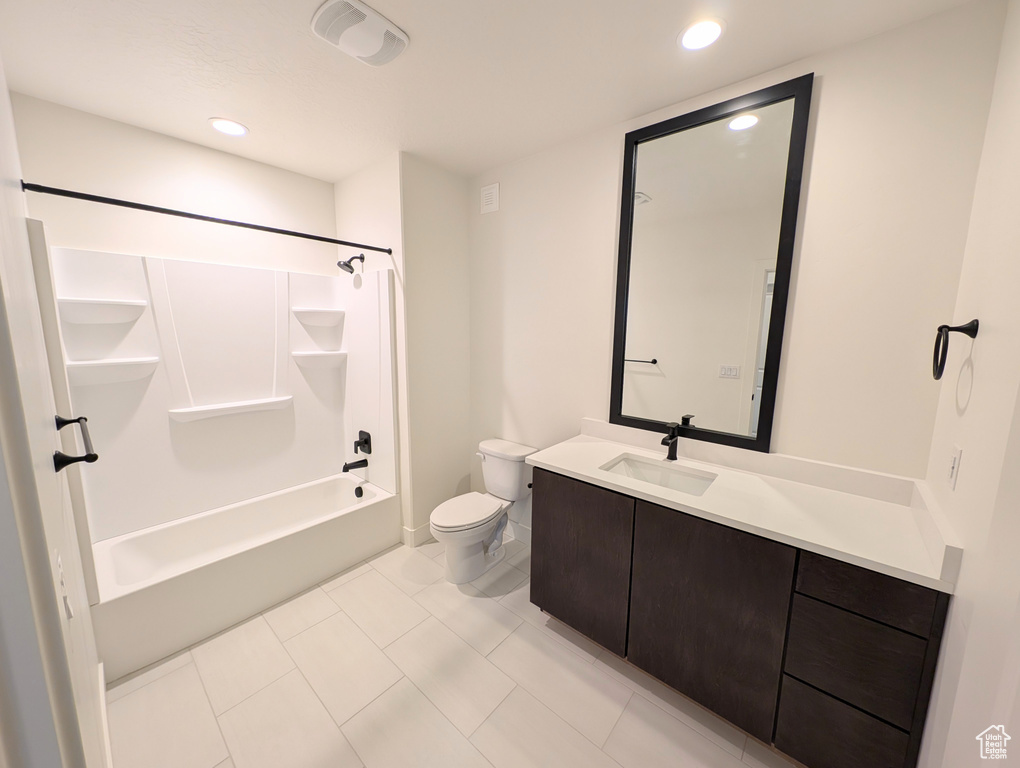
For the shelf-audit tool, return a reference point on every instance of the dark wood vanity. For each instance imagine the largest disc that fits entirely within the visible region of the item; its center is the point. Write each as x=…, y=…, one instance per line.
x=830, y=662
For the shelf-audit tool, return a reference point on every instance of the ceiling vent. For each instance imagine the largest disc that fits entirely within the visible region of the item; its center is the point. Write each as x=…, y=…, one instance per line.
x=359, y=31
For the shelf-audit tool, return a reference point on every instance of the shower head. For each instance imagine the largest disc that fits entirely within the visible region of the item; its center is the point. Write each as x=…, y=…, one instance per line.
x=348, y=266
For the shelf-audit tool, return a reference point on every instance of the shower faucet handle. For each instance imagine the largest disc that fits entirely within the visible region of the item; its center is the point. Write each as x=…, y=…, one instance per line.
x=364, y=442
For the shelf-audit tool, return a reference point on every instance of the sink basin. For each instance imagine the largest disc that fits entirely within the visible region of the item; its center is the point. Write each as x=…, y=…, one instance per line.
x=661, y=473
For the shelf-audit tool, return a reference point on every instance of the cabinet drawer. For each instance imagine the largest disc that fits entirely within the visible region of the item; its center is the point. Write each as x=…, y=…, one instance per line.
x=875, y=595
x=869, y=665
x=820, y=731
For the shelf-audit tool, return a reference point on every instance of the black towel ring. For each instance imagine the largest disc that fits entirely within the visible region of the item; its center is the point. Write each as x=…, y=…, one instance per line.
x=938, y=363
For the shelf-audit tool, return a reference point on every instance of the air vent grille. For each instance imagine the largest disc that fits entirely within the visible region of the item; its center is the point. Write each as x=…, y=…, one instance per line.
x=359, y=31
x=391, y=48
x=490, y=198
x=337, y=19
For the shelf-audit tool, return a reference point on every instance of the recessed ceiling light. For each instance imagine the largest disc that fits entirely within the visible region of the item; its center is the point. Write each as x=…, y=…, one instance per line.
x=743, y=122
x=700, y=35
x=228, y=127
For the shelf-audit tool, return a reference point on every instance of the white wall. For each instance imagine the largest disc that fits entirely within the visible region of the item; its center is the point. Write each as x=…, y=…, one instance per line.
x=419, y=210
x=65, y=148
x=435, y=221
x=28, y=736
x=368, y=211
x=49, y=683
x=896, y=132
x=979, y=411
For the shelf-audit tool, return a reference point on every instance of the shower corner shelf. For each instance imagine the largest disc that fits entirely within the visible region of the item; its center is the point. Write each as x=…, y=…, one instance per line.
x=198, y=412
x=100, y=311
x=318, y=316
x=110, y=371
x=320, y=359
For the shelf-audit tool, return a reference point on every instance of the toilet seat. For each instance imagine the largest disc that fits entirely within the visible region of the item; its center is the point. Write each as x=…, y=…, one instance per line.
x=469, y=510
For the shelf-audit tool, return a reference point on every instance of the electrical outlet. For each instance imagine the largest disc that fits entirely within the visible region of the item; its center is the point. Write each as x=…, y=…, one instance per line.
x=954, y=466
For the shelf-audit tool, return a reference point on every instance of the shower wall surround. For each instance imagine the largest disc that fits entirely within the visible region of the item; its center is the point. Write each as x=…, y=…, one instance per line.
x=206, y=385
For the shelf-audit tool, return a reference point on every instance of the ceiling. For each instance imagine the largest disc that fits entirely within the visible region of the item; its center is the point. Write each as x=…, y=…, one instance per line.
x=482, y=82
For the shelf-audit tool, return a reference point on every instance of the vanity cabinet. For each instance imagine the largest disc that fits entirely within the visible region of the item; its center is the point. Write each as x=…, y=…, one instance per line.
x=860, y=662
x=708, y=613
x=580, y=556
x=831, y=662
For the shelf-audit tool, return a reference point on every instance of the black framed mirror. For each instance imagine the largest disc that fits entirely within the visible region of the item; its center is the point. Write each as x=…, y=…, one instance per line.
x=707, y=227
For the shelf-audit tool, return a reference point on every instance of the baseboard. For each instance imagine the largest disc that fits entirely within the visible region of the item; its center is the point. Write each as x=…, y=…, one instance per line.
x=417, y=536
x=520, y=532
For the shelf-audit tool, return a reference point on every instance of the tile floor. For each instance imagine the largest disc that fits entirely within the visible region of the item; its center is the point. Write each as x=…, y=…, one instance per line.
x=388, y=666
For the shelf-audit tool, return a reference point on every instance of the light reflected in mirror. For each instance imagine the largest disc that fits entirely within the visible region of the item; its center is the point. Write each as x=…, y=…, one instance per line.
x=708, y=207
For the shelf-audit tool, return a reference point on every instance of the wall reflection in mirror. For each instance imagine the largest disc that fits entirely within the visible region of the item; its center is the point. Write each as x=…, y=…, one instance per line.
x=707, y=253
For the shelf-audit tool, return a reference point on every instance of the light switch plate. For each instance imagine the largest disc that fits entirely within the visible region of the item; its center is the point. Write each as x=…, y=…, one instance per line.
x=729, y=371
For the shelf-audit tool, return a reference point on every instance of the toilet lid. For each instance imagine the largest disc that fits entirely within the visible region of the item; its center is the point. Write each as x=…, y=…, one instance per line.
x=468, y=510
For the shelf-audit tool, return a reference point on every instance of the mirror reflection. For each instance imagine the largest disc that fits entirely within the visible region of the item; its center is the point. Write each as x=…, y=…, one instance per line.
x=708, y=205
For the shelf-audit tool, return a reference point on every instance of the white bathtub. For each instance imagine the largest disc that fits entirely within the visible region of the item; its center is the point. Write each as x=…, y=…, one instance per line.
x=165, y=588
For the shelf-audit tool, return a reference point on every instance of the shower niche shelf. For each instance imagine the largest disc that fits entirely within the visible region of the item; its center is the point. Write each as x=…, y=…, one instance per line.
x=100, y=311
x=199, y=412
x=82, y=373
x=320, y=359
x=318, y=316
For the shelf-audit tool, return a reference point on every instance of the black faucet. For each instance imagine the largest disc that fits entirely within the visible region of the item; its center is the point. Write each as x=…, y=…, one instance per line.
x=348, y=466
x=670, y=439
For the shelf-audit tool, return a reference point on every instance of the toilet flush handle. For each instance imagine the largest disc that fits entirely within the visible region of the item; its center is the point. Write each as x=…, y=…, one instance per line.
x=480, y=455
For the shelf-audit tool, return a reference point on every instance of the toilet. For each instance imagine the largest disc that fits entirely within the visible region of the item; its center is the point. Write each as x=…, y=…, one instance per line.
x=471, y=525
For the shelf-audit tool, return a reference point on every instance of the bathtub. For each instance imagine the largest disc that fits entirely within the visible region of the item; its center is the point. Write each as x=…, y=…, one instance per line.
x=165, y=588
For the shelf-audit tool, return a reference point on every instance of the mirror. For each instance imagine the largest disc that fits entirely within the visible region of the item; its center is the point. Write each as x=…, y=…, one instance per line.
x=707, y=226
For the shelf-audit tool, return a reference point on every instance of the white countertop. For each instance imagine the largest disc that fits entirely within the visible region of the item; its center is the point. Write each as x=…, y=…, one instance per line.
x=892, y=536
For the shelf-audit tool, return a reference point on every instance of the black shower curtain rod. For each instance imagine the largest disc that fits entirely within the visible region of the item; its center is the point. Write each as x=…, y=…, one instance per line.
x=196, y=216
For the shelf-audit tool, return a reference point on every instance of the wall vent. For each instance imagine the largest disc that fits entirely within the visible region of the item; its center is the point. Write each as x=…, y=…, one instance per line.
x=359, y=31
x=490, y=198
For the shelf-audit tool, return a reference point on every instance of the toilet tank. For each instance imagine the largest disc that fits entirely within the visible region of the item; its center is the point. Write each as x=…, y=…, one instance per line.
x=504, y=470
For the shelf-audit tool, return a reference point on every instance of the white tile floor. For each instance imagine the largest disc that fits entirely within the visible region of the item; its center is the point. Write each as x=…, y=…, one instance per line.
x=387, y=665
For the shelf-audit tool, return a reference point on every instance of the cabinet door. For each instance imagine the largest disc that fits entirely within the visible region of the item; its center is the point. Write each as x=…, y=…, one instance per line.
x=709, y=608
x=580, y=556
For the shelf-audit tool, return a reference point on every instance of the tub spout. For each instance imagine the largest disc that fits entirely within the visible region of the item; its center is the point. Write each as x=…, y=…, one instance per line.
x=348, y=466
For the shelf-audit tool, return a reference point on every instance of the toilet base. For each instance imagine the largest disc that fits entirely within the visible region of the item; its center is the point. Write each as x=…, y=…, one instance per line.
x=469, y=556
x=473, y=564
